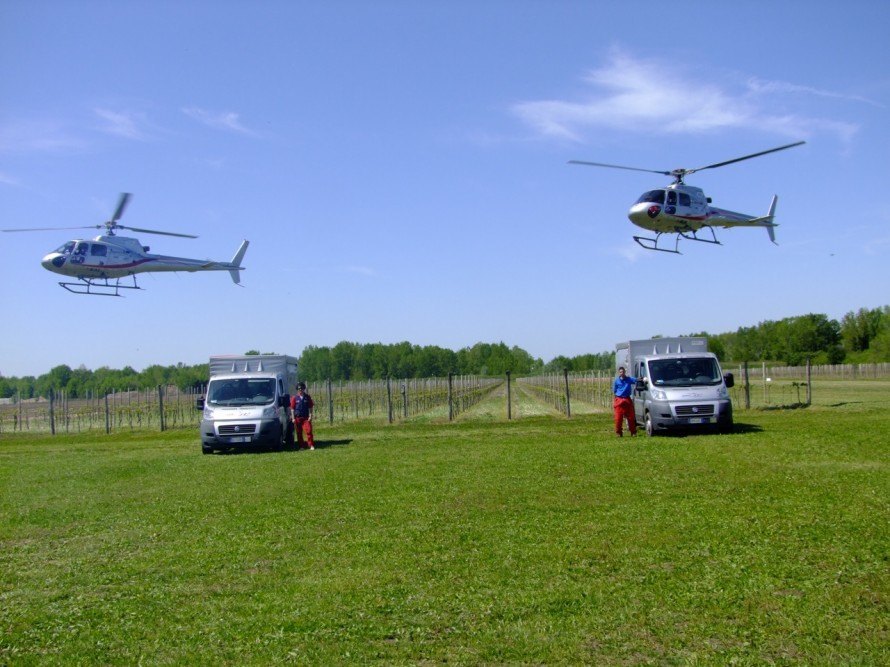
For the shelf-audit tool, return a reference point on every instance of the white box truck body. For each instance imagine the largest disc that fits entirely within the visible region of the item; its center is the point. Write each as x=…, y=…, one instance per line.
x=684, y=386
x=247, y=402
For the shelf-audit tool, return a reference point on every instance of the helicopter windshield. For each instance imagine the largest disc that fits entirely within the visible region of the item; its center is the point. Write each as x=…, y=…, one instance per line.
x=259, y=391
x=652, y=197
x=684, y=372
x=65, y=248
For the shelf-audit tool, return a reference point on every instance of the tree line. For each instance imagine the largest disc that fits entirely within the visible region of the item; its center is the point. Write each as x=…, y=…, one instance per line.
x=862, y=336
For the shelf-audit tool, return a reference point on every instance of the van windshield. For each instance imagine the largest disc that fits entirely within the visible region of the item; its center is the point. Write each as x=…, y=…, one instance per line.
x=259, y=391
x=684, y=372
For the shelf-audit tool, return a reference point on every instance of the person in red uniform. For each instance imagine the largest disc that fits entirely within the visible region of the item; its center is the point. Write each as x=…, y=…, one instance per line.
x=301, y=404
x=623, y=404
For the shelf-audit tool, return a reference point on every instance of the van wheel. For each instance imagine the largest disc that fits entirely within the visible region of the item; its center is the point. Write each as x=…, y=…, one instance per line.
x=206, y=450
x=650, y=427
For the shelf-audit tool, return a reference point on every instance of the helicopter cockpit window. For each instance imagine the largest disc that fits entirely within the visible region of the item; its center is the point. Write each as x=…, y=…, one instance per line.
x=652, y=197
x=684, y=199
x=81, y=248
x=97, y=250
x=65, y=248
x=672, y=197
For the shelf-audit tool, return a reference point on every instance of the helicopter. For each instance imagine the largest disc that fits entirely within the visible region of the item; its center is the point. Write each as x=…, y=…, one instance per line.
x=684, y=210
x=102, y=263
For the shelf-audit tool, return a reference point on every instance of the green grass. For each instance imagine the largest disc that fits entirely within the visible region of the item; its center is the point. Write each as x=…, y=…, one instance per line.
x=539, y=540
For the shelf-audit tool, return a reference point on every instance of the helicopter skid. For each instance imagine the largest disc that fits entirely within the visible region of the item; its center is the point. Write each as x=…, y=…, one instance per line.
x=99, y=287
x=652, y=244
x=713, y=238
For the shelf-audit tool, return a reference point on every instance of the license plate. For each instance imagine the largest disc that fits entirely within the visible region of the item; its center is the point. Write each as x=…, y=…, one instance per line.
x=699, y=420
x=242, y=438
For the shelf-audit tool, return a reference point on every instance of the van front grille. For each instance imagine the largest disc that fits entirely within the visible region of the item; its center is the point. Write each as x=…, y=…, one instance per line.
x=237, y=429
x=695, y=410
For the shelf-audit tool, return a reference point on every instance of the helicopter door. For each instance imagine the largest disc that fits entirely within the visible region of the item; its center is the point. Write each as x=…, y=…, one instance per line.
x=80, y=252
x=671, y=202
x=98, y=253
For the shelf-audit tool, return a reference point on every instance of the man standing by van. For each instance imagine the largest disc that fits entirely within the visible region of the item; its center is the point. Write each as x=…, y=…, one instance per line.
x=623, y=404
x=301, y=403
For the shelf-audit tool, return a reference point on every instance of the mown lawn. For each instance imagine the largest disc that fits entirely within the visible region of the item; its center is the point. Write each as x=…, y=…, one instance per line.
x=540, y=540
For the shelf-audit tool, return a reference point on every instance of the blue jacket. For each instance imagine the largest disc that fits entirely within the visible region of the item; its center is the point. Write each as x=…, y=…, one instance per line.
x=301, y=404
x=624, y=388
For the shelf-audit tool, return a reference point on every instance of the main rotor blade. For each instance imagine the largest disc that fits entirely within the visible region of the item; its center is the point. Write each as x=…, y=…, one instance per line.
x=746, y=157
x=155, y=231
x=122, y=204
x=51, y=229
x=618, y=166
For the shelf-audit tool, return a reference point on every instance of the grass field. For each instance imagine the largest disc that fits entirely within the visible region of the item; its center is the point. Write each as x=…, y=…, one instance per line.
x=539, y=540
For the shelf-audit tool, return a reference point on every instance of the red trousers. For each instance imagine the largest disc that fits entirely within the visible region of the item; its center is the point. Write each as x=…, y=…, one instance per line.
x=624, y=409
x=302, y=425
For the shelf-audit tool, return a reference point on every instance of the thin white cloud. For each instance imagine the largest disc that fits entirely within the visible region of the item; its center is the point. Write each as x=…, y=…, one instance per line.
x=124, y=124
x=38, y=136
x=6, y=179
x=361, y=270
x=225, y=120
x=651, y=97
x=761, y=87
x=877, y=246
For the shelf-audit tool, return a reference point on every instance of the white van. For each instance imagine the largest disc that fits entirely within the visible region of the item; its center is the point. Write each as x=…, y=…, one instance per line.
x=247, y=402
x=680, y=384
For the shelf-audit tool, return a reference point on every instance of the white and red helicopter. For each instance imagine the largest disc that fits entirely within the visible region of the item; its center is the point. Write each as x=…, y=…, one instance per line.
x=100, y=264
x=684, y=210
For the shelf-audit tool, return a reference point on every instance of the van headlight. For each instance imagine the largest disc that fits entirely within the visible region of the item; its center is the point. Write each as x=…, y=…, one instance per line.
x=208, y=413
x=722, y=392
x=658, y=394
x=270, y=413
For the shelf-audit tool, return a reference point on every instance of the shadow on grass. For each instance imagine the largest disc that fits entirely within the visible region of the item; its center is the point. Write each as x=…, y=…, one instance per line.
x=324, y=444
x=255, y=449
x=737, y=428
x=746, y=428
x=786, y=406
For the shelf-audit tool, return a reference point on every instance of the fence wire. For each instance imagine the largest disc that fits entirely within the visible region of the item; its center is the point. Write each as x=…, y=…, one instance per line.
x=397, y=400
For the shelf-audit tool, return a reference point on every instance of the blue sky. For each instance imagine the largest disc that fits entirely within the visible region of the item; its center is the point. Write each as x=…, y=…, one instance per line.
x=400, y=170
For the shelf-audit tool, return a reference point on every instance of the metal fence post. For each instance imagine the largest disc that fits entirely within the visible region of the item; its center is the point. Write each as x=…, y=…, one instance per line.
x=52, y=415
x=161, y=406
x=509, y=402
x=405, y=399
x=565, y=373
x=809, y=383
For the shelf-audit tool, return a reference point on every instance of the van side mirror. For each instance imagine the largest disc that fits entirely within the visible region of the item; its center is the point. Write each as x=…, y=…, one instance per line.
x=199, y=403
x=284, y=401
x=729, y=380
